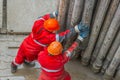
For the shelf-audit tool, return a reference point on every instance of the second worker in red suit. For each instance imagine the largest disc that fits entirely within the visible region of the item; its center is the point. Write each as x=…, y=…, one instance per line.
x=43, y=33
x=53, y=59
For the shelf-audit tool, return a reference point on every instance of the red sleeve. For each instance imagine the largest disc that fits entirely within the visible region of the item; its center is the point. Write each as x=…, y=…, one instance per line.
x=65, y=58
x=64, y=33
x=59, y=37
x=67, y=54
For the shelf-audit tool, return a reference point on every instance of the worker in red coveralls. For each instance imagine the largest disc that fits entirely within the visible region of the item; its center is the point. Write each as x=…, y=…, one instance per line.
x=52, y=59
x=43, y=33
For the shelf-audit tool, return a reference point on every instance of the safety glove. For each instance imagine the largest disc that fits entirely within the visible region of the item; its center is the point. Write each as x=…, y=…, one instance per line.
x=81, y=27
x=54, y=14
x=83, y=31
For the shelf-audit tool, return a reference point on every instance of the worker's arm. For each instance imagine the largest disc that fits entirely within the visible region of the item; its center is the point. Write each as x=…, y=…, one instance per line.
x=66, y=34
x=54, y=14
x=68, y=53
x=80, y=28
x=50, y=15
x=63, y=35
x=83, y=34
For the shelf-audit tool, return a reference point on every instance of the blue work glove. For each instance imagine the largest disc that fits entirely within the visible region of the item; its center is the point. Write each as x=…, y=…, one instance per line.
x=83, y=31
x=80, y=27
x=54, y=14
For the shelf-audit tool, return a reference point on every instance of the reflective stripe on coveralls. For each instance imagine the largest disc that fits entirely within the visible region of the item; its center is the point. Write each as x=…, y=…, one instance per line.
x=38, y=42
x=68, y=53
x=57, y=39
x=25, y=60
x=15, y=63
x=41, y=19
x=50, y=70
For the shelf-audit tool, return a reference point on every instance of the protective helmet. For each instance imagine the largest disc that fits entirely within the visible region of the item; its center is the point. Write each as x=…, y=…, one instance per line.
x=55, y=48
x=51, y=25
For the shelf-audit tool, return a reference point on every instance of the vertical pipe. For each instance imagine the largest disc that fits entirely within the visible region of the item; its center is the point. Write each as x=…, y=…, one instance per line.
x=70, y=11
x=102, y=9
x=1, y=11
x=75, y=19
x=4, y=17
x=63, y=9
x=58, y=3
x=88, y=11
x=107, y=21
x=77, y=12
x=115, y=24
x=117, y=76
x=69, y=25
x=87, y=17
x=111, y=52
x=113, y=65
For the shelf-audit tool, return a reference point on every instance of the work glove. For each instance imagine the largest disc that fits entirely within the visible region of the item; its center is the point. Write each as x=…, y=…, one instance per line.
x=54, y=14
x=80, y=27
x=84, y=31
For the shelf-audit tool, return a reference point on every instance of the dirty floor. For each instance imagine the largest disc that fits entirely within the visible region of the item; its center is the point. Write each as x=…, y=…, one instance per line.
x=8, y=48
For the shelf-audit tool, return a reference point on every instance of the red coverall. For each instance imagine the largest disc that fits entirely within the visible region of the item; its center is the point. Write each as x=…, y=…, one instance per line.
x=37, y=40
x=53, y=66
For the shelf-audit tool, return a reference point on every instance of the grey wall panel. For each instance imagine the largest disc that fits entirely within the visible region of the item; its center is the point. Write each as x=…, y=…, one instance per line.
x=22, y=13
x=1, y=1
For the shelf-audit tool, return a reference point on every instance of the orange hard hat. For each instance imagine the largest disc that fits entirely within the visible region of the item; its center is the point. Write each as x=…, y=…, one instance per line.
x=51, y=25
x=55, y=48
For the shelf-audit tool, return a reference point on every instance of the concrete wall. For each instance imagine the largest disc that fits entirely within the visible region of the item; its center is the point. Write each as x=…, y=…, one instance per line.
x=1, y=13
x=22, y=13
